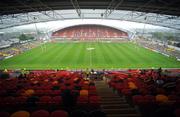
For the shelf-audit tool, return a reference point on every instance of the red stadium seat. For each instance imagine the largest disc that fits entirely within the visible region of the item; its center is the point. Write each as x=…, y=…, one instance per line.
x=149, y=99
x=126, y=92
x=92, y=93
x=137, y=99
x=21, y=100
x=56, y=92
x=40, y=113
x=9, y=101
x=82, y=100
x=21, y=114
x=39, y=92
x=45, y=100
x=59, y=113
x=57, y=100
x=92, y=88
x=94, y=101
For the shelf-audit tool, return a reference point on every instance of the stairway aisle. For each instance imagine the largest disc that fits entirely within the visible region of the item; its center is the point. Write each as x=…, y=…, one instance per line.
x=113, y=104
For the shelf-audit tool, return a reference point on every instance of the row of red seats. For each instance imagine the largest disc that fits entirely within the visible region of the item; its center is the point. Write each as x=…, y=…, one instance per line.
x=47, y=87
x=38, y=113
x=141, y=89
x=89, y=32
x=93, y=101
x=56, y=113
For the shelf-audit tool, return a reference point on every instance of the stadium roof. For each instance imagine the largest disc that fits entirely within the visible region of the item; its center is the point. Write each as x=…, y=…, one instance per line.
x=169, y=7
x=157, y=12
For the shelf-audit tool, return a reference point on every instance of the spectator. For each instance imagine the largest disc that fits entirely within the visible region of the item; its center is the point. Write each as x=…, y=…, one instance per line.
x=79, y=113
x=159, y=71
x=68, y=98
x=97, y=113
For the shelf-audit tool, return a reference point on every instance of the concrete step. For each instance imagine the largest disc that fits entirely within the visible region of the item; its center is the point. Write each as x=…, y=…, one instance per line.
x=113, y=99
x=104, y=92
x=120, y=111
x=123, y=115
x=99, y=88
x=102, y=86
x=105, y=88
x=109, y=106
x=113, y=102
x=109, y=96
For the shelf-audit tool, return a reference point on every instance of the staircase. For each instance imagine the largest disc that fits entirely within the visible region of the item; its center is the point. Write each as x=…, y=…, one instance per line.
x=113, y=104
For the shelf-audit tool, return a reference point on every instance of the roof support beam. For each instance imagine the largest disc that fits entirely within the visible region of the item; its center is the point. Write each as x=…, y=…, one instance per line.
x=1, y=20
x=138, y=8
x=111, y=8
x=54, y=13
x=76, y=7
x=22, y=3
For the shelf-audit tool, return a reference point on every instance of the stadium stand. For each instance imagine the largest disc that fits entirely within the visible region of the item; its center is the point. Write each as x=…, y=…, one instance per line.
x=131, y=93
x=16, y=49
x=159, y=47
x=155, y=93
x=47, y=91
x=89, y=32
x=5, y=43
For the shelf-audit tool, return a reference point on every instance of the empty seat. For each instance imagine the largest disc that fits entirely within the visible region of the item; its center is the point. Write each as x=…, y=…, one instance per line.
x=40, y=113
x=9, y=101
x=150, y=99
x=21, y=100
x=161, y=98
x=138, y=99
x=94, y=101
x=45, y=100
x=59, y=113
x=21, y=114
x=82, y=100
x=57, y=100
x=83, y=92
x=78, y=113
x=97, y=113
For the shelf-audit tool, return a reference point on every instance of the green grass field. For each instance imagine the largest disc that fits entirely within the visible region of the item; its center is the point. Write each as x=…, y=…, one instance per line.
x=84, y=55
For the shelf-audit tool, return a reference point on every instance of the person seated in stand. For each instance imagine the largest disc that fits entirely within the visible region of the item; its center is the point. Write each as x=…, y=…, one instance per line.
x=87, y=73
x=31, y=101
x=149, y=80
x=5, y=74
x=170, y=84
x=91, y=83
x=159, y=72
x=142, y=71
x=159, y=81
x=92, y=71
x=78, y=113
x=22, y=76
x=69, y=99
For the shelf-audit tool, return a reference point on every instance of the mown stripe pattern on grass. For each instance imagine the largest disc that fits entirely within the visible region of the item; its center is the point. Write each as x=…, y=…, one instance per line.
x=77, y=56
